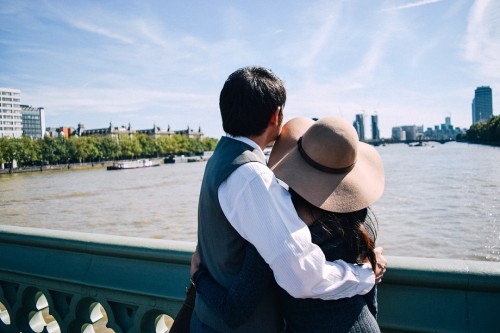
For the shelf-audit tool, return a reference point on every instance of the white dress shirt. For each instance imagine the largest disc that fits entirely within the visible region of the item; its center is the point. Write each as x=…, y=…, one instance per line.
x=262, y=212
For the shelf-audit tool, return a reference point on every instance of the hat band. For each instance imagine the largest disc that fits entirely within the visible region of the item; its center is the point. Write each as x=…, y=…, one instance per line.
x=321, y=167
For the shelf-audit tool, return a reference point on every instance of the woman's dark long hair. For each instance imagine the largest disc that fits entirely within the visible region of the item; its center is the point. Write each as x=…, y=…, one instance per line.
x=358, y=229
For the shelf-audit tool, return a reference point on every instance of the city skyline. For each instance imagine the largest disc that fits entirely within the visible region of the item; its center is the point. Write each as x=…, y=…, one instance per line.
x=31, y=120
x=408, y=62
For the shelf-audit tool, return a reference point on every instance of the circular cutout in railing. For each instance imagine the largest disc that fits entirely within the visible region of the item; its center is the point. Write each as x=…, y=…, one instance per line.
x=163, y=323
x=40, y=317
x=98, y=318
x=4, y=314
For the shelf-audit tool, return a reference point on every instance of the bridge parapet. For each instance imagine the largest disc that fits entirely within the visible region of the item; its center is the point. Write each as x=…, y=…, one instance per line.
x=53, y=281
x=68, y=282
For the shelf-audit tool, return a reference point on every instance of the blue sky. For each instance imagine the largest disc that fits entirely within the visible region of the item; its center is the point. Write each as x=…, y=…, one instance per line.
x=164, y=62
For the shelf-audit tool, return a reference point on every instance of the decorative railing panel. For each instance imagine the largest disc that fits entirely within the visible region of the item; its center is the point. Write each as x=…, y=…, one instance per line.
x=53, y=281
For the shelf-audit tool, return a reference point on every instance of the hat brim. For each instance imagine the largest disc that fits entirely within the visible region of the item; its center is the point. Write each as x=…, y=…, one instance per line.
x=341, y=193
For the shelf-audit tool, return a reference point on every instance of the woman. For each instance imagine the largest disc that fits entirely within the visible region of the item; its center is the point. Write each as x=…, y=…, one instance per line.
x=332, y=178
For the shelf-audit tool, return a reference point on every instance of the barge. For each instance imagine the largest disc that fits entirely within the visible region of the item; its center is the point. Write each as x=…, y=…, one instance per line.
x=122, y=165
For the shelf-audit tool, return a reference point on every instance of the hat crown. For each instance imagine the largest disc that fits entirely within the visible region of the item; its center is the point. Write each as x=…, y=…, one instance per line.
x=331, y=142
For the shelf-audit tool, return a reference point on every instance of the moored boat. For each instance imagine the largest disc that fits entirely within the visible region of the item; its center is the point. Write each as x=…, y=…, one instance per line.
x=175, y=159
x=122, y=165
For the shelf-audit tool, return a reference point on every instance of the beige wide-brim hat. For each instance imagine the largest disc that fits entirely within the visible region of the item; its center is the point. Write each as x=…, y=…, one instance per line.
x=327, y=165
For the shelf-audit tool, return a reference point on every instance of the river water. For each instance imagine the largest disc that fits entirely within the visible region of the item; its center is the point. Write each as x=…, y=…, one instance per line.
x=440, y=201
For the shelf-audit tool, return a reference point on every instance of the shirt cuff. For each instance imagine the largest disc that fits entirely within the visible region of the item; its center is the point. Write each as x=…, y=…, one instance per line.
x=366, y=278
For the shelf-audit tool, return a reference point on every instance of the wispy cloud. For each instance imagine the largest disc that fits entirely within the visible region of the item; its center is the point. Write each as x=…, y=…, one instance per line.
x=482, y=41
x=99, y=30
x=412, y=5
x=424, y=50
x=321, y=35
x=90, y=19
x=128, y=104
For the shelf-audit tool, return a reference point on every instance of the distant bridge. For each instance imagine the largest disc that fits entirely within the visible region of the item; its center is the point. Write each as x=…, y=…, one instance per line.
x=417, y=142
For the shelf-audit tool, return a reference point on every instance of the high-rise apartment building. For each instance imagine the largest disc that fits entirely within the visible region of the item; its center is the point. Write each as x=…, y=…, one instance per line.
x=482, y=104
x=447, y=121
x=398, y=134
x=359, y=125
x=10, y=113
x=33, y=121
x=375, y=130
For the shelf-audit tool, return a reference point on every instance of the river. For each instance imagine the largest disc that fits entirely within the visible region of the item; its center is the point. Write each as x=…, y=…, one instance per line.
x=440, y=201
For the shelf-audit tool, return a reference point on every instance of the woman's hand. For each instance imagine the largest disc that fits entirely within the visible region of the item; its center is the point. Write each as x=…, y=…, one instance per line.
x=195, y=261
x=381, y=266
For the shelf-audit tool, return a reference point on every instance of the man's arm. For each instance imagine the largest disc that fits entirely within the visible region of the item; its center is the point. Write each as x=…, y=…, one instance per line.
x=236, y=304
x=263, y=213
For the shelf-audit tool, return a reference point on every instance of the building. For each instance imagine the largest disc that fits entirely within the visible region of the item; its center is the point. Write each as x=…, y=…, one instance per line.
x=404, y=133
x=448, y=125
x=482, y=104
x=153, y=132
x=190, y=133
x=156, y=132
x=33, y=120
x=398, y=134
x=10, y=113
x=412, y=132
x=112, y=131
x=375, y=130
x=59, y=132
x=442, y=132
x=359, y=125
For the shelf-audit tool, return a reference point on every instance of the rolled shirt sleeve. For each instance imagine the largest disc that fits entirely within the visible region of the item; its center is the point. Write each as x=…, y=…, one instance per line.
x=262, y=212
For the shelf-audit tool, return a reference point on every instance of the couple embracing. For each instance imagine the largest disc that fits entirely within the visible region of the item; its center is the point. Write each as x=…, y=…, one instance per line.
x=290, y=255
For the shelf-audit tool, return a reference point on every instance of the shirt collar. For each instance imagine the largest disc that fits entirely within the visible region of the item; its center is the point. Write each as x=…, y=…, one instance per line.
x=249, y=142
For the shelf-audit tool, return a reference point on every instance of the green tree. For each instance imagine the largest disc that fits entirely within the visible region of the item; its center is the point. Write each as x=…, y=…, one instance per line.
x=28, y=152
x=494, y=129
x=62, y=150
x=4, y=147
x=129, y=147
x=148, y=145
x=196, y=146
x=11, y=148
x=109, y=148
x=47, y=150
x=210, y=143
x=79, y=149
x=166, y=145
x=94, y=152
x=485, y=132
x=182, y=144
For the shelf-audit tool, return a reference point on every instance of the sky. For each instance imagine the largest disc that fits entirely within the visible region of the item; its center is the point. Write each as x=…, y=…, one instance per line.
x=163, y=63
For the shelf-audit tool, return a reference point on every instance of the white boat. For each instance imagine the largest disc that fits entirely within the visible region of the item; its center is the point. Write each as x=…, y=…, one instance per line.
x=121, y=165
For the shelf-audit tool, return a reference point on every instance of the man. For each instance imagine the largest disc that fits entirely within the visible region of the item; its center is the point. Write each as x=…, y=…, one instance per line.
x=241, y=200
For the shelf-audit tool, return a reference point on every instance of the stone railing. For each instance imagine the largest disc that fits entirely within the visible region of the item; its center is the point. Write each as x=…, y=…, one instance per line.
x=439, y=295
x=53, y=281
x=67, y=282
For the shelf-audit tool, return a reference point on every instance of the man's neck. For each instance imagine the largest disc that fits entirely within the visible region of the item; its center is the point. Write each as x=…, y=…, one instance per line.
x=260, y=140
x=269, y=135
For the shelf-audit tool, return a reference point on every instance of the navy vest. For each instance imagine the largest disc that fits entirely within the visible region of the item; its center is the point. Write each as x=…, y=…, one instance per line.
x=221, y=247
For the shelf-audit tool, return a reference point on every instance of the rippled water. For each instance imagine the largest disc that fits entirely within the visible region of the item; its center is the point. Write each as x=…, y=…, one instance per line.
x=440, y=201
x=156, y=202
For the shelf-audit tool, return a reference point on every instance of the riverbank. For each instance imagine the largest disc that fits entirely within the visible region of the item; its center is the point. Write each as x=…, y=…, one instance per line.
x=56, y=167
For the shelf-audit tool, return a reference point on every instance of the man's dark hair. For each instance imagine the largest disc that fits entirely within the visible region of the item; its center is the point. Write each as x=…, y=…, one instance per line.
x=248, y=99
